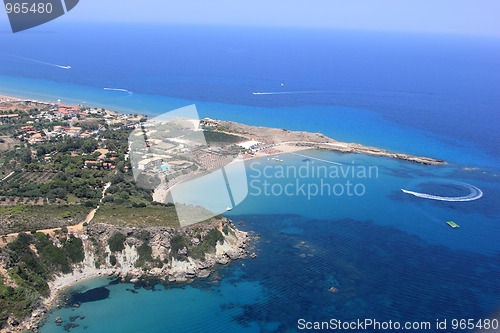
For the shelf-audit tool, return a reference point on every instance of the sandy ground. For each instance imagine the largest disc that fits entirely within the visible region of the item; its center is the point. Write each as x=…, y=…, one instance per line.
x=161, y=192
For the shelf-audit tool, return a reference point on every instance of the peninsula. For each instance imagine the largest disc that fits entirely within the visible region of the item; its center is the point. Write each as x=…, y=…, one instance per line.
x=71, y=206
x=70, y=209
x=274, y=137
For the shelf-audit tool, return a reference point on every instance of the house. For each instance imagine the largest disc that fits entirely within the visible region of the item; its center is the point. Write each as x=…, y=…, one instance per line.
x=92, y=164
x=148, y=162
x=73, y=131
x=9, y=116
x=36, y=138
x=249, y=144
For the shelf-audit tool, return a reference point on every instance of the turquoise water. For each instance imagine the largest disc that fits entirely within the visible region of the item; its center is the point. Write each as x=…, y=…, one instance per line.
x=390, y=255
x=344, y=124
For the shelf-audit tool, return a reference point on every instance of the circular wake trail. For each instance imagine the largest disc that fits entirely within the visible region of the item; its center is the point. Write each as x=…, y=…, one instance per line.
x=475, y=193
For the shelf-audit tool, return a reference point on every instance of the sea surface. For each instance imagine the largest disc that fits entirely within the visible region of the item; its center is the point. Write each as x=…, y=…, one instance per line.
x=388, y=255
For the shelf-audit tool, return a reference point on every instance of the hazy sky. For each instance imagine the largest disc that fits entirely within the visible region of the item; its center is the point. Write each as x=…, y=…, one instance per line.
x=441, y=16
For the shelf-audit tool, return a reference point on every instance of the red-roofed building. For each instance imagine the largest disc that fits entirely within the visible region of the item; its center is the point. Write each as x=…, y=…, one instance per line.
x=93, y=164
x=9, y=116
x=59, y=105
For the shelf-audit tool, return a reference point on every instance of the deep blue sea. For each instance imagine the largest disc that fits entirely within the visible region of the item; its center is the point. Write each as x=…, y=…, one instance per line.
x=390, y=255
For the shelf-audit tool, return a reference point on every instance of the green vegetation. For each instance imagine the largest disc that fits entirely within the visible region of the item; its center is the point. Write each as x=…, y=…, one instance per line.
x=214, y=137
x=112, y=260
x=34, y=259
x=178, y=242
x=226, y=230
x=55, y=181
x=74, y=249
x=206, y=245
x=145, y=252
x=145, y=255
x=116, y=242
x=62, y=168
x=24, y=217
x=153, y=215
x=228, y=129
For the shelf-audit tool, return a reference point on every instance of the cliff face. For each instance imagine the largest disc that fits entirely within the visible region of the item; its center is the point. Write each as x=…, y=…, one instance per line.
x=173, y=254
x=170, y=254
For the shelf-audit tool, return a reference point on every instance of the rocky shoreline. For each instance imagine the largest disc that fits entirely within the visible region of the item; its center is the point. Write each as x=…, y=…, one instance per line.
x=277, y=136
x=355, y=148
x=129, y=267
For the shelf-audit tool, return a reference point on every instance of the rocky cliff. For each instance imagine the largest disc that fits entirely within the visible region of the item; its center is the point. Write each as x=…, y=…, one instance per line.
x=170, y=254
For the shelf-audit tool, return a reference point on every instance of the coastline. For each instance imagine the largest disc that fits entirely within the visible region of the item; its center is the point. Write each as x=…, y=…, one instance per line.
x=288, y=140
x=300, y=139
x=233, y=246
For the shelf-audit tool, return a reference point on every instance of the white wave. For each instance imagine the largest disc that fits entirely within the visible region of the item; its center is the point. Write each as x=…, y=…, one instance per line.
x=475, y=193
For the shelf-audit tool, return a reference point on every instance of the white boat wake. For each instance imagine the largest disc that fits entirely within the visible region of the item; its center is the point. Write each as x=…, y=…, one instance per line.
x=119, y=89
x=475, y=193
x=290, y=92
x=37, y=61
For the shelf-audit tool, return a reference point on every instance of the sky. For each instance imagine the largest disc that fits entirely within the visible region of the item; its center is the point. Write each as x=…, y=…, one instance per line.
x=472, y=17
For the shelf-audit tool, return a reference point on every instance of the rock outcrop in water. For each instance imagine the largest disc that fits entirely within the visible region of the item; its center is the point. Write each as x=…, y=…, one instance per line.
x=173, y=254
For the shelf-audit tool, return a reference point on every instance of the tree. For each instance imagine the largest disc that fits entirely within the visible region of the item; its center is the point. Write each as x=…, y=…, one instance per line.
x=89, y=146
x=26, y=156
x=116, y=241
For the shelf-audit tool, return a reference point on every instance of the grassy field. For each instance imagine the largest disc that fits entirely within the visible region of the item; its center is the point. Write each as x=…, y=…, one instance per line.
x=151, y=216
x=26, y=177
x=26, y=217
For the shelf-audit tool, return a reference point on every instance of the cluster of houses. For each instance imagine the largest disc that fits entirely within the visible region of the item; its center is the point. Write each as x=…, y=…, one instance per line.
x=58, y=111
x=102, y=161
x=30, y=134
x=208, y=122
x=66, y=111
x=67, y=131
